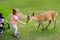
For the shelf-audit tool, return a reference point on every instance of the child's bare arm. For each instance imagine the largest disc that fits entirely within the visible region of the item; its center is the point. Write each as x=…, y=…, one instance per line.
x=20, y=22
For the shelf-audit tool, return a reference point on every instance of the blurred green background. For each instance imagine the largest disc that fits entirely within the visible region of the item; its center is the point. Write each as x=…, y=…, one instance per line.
x=28, y=31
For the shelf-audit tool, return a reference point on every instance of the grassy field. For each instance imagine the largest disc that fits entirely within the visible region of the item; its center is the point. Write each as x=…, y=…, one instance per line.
x=28, y=31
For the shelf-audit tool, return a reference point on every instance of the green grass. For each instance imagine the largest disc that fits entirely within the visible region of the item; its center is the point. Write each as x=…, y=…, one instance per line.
x=28, y=31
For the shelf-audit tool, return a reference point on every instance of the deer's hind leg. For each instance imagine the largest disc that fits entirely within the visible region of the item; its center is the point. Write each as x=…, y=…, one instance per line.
x=48, y=24
x=54, y=20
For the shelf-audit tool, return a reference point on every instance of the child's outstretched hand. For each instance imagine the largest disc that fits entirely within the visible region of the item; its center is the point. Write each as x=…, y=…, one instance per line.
x=24, y=23
x=21, y=22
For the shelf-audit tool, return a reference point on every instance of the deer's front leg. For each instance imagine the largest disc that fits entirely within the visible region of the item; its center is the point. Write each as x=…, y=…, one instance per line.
x=42, y=26
x=38, y=26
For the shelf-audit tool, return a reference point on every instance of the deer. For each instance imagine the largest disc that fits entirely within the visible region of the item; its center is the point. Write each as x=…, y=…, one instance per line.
x=41, y=17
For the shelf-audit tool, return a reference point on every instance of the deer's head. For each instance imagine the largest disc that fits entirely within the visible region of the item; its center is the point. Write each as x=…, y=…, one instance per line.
x=29, y=17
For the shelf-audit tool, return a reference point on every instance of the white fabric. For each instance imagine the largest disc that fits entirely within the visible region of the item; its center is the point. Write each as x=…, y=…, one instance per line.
x=1, y=20
x=15, y=28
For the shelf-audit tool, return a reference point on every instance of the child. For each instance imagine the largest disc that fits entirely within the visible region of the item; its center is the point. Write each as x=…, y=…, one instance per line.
x=14, y=21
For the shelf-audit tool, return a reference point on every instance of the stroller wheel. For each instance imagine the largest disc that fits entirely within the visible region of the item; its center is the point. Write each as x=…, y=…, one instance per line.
x=1, y=31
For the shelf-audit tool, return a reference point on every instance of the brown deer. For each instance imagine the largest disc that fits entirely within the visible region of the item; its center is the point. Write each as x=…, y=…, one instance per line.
x=45, y=16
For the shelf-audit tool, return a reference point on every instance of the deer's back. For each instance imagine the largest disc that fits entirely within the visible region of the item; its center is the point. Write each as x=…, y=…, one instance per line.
x=46, y=15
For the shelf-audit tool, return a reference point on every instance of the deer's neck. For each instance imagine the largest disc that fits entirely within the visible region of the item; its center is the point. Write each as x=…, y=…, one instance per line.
x=34, y=18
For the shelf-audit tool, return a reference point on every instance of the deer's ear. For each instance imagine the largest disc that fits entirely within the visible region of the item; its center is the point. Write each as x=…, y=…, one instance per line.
x=33, y=14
